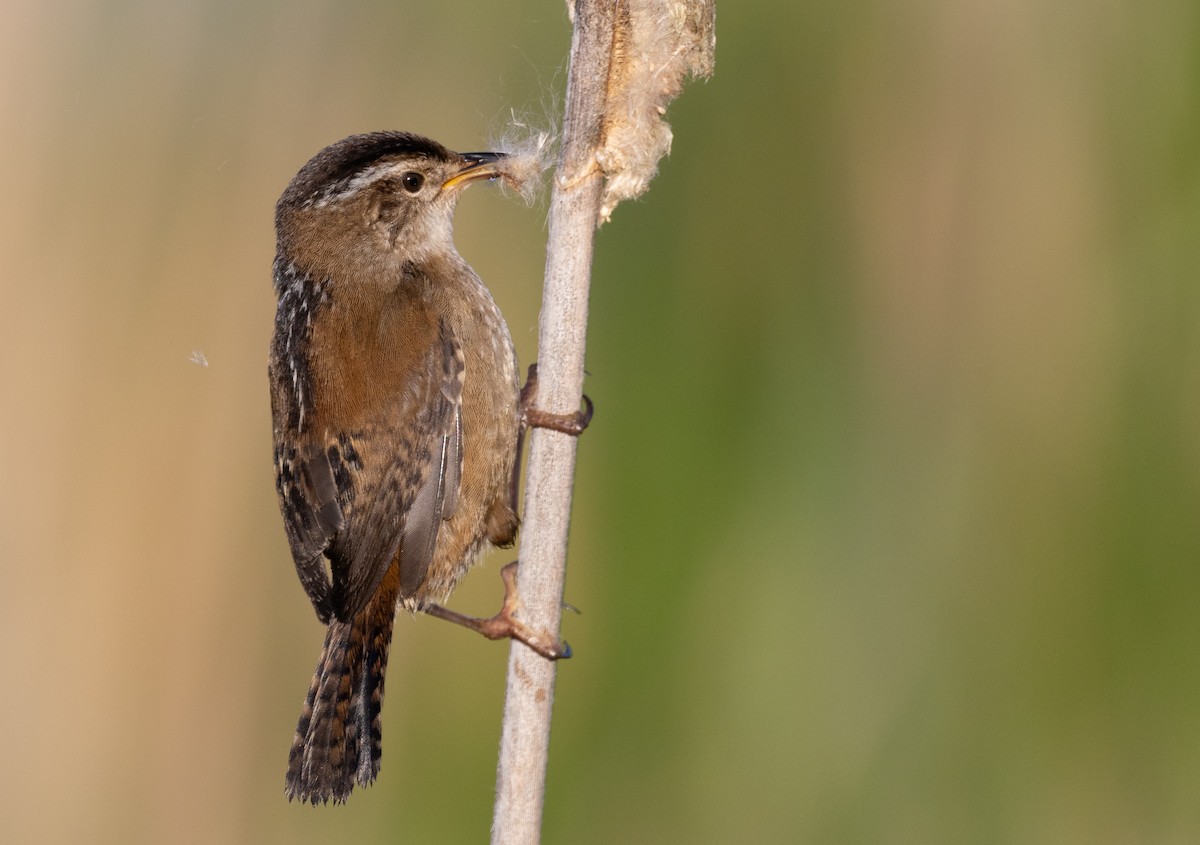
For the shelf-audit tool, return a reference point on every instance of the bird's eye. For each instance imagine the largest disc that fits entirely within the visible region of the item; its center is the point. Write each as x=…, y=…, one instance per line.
x=412, y=181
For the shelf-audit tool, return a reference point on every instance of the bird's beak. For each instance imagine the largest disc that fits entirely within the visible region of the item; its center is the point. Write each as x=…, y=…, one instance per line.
x=476, y=166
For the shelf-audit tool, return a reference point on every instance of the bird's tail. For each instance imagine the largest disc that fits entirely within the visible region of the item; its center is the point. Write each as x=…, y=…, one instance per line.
x=338, y=740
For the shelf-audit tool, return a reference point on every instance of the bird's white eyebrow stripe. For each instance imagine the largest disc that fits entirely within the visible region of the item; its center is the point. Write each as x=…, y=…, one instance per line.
x=341, y=190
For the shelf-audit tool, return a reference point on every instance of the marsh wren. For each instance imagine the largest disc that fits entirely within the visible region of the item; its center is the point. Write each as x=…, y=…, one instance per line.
x=397, y=423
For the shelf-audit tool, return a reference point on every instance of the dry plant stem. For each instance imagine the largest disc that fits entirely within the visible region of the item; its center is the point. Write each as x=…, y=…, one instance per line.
x=574, y=205
x=629, y=59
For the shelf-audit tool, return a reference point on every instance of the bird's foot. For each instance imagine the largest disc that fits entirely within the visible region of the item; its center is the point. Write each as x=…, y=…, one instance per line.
x=505, y=624
x=572, y=424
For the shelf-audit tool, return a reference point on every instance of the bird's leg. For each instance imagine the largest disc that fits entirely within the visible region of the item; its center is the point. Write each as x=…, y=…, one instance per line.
x=531, y=417
x=505, y=624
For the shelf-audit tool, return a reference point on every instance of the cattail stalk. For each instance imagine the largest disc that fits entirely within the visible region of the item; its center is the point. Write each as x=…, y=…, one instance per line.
x=629, y=58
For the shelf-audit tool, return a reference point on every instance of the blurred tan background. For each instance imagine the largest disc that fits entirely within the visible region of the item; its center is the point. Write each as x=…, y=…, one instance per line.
x=886, y=530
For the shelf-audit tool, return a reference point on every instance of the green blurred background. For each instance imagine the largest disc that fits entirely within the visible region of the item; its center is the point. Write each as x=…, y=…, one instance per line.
x=887, y=527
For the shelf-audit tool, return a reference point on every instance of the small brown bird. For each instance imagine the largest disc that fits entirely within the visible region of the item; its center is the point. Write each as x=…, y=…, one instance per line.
x=397, y=425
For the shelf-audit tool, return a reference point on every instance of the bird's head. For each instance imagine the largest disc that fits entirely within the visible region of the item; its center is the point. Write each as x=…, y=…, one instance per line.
x=377, y=198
